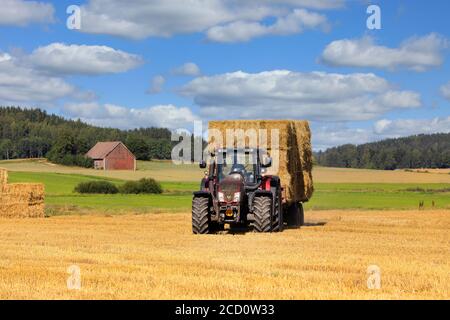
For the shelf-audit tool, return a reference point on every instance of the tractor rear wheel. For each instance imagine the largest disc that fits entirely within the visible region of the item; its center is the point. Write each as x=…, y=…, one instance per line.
x=200, y=215
x=278, y=221
x=262, y=208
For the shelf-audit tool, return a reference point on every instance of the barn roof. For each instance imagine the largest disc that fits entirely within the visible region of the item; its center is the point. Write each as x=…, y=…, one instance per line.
x=102, y=149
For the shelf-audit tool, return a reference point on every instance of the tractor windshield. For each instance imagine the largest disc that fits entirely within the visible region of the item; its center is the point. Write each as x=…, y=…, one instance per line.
x=237, y=162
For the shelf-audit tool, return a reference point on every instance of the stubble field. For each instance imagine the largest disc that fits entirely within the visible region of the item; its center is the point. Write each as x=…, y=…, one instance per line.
x=157, y=257
x=151, y=253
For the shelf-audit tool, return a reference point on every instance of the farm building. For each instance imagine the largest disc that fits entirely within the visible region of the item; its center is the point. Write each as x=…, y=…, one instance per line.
x=112, y=155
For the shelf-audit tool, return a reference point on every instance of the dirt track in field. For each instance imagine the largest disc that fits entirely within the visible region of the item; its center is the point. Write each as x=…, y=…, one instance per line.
x=157, y=257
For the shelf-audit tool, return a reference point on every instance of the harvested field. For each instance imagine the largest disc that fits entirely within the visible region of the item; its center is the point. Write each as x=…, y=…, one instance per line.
x=346, y=175
x=157, y=257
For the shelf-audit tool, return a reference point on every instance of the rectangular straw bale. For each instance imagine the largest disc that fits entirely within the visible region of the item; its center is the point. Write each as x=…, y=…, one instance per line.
x=22, y=200
x=293, y=164
x=3, y=177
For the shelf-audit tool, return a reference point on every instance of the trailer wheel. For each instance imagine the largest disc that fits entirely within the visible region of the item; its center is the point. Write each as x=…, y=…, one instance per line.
x=262, y=208
x=295, y=217
x=200, y=215
x=301, y=214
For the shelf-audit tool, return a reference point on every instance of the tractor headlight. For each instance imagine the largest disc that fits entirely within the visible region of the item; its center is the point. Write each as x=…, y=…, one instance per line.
x=237, y=197
x=221, y=197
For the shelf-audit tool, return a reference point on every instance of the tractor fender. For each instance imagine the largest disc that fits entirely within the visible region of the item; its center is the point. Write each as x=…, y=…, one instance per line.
x=204, y=184
x=263, y=193
x=269, y=182
x=202, y=194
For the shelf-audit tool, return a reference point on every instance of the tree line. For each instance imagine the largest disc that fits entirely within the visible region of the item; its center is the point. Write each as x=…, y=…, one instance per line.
x=33, y=133
x=419, y=151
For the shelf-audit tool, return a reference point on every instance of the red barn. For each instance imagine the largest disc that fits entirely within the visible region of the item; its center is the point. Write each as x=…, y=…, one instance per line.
x=112, y=156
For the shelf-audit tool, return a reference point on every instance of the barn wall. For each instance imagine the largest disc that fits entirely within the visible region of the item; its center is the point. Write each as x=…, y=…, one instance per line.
x=120, y=159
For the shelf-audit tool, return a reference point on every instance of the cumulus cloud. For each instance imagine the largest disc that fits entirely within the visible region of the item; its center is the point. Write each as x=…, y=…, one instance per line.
x=22, y=13
x=327, y=136
x=22, y=84
x=324, y=137
x=417, y=53
x=293, y=23
x=313, y=4
x=164, y=18
x=406, y=127
x=286, y=94
x=61, y=58
x=187, y=69
x=39, y=78
x=445, y=91
x=156, y=84
x=108, y=115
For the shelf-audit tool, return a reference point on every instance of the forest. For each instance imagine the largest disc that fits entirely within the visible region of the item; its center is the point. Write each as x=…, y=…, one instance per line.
x=33, y=133
x=419, y=151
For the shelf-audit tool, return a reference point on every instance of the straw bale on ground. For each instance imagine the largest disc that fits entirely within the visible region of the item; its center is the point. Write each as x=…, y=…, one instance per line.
x=20, y=200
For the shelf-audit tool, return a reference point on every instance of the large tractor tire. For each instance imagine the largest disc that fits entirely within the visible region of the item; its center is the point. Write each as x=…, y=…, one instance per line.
x=278, y=220
x=295, y=215
x=200, y=215
x=262, y=207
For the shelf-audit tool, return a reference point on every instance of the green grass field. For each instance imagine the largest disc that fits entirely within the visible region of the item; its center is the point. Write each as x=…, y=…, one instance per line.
x=61, y=199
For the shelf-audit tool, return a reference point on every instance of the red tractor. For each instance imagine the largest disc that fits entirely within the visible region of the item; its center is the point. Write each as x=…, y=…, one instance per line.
x=236, y=191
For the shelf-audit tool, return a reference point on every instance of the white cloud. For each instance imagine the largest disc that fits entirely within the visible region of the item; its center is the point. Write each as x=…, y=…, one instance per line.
x=108, y=115
x=445, y=90
x=417, y=53
x=187, y=69
x=5, y=57
x=407, y=127
x=61, y=58
x=38, y=78
x=287, y=94
x=295, y=22
x=327, y=136
x=399, y=99
x=21, y=84
x=324, y=137
x=22, y=13
x=163, y=18
x=156, y=84
x=313, y=4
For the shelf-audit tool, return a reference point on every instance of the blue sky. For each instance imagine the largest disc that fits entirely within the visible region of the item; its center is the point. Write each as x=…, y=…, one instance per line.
x=167, y=63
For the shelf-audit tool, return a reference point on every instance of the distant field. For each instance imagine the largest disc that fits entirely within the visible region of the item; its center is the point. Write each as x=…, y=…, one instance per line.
x=166, y=171
x=61, y=199
x=159, y=170
x=157, y=257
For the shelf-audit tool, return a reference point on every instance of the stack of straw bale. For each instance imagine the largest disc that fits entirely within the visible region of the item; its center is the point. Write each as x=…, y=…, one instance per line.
x=20, y=200
x=292, y=159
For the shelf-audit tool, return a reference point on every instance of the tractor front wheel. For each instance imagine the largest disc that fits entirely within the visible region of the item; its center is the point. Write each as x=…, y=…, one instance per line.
x=262, y=208
x=200, y=215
